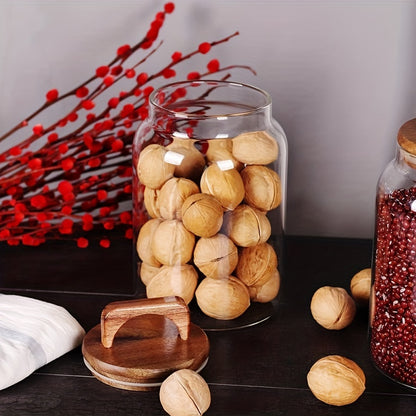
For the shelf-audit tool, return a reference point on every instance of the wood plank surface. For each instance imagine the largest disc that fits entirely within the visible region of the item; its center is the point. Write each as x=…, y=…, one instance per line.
x=260, y=370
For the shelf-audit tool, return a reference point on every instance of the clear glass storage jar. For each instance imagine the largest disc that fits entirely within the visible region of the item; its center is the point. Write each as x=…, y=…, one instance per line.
x=209, y=195
x=393, y=300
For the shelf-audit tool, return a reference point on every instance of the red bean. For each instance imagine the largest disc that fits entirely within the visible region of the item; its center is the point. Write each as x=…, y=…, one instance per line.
x=393, y=332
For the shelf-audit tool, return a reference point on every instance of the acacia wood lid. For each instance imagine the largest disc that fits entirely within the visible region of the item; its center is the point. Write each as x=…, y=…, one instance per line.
x=141, y=342
x=406, y=137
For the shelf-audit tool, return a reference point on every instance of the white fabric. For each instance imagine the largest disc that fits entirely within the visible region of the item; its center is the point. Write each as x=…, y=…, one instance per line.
x=33, y=333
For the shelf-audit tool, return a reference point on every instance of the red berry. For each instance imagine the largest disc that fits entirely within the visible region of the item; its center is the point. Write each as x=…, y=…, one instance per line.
x=52, y=95
x=204, y=47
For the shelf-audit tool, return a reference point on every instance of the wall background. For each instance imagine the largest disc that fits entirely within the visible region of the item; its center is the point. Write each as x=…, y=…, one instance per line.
x=341, y=74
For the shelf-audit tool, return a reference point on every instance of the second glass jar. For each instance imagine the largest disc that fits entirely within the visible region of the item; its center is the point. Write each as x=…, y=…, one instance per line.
x=209, y=197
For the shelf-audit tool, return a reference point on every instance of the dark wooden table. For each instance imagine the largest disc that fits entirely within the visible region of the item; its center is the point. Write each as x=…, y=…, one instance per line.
x=259, y=370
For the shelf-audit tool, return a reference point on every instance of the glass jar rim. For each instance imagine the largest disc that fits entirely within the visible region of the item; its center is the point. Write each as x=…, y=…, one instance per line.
x=267, y=100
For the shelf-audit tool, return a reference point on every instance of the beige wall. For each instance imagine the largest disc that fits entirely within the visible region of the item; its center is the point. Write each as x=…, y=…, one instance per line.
x=341, y=74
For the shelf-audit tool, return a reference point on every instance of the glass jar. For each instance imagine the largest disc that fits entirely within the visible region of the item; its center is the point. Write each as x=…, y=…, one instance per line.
x=209, y=196
x=393, y=301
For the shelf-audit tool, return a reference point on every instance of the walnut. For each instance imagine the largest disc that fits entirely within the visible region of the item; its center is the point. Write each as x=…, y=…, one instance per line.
x=267, y=291
x=202, y=214
x=225, y=185
x=152, y=169
x=172, y=195
x=174, y=281
x=192, y=162
x=333, y=307
x=172, y=243
x=336, y=380
x=247, y=226
x=185, y=393
x=360, y=286
x=256, y=264
x=262, y=187
x=222, y=299
x=220, y=150
x=150, y=198
x=144, y=240
x=255, y=148
x=147, y=271
x=216, y=256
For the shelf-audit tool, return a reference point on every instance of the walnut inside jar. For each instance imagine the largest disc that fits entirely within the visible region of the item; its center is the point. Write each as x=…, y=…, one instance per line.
x=256, y=264
x=220, y=150
x=172, y=243
x=247, y=226
x=202, y=214
x=222, y=299
x=216, y=256
x=144, y=239
x=150, y=199
x=262, y=187
x=152, y=169
x=192, y=163
x=266, y=291
x=180, y=280
x=172, y=196
x=225, y=185
x=255, y=148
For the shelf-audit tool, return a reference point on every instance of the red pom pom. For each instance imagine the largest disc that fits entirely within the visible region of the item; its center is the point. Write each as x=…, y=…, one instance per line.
x=147, y=91
x=125, y=217
x=109, y=80
x=53, y=137
x=130, y=73
x=193, y=75
x=105, y=243
x=63, y=148
x=72, y=117
x=129, y=234
x=109, y=225
x=116, y=70
x=204, y=47
x=113, y=102
x=82, y=92
x=123, y=50
x=213, y=65
x=127, y=109
x=82, y=242
x=38, y=201
x=102, y=71
x=35, y=163
x=94, y=162
x=169, y=73
x=102, y=194
x=87, y=218
x=117, y=145
x=169, y=7
x=142, y=78
x=176, y=56
x=15, y=151
x=88, y=104
x=52, y=95
x=65, y=187
x=67, y=210
x=67, y=164
x=38, y=129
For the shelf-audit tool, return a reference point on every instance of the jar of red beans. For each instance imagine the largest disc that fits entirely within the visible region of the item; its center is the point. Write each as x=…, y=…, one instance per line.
x=393, y=295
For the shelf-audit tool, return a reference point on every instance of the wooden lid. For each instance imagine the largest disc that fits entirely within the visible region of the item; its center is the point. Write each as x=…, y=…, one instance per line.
x=141, y=342
x=406, y=137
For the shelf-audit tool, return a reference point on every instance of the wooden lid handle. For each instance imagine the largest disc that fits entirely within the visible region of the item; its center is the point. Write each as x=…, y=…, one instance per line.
x=115, y=314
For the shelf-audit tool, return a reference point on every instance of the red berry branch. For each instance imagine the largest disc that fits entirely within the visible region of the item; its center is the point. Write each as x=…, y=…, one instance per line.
x=58, y=183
